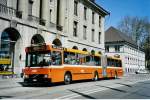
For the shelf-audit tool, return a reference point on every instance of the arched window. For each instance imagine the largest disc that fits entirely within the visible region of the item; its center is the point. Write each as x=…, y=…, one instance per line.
x=84, y=49
x=57, y=42
x=92, y=52
x=37, y=39
x=9, y=38
x=75, y=47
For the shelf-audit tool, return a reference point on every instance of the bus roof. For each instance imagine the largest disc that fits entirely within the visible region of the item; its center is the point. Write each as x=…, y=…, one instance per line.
x=76, y=51
x=115, y=58
x=41, y=47
x=97, y=54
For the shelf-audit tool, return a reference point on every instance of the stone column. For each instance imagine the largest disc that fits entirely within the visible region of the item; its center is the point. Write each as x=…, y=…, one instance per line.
x=23, y=8
x=45, y=11
x=62, y=11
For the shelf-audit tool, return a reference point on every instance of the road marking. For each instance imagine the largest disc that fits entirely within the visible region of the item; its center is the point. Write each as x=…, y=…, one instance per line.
x=73, y=95
x=76, y=95
x=89, y=92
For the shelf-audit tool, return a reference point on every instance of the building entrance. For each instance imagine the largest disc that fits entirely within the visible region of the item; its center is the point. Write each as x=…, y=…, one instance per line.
x=9, y=39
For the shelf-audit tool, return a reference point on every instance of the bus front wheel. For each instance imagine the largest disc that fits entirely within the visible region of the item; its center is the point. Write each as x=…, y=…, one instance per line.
x=67, y=78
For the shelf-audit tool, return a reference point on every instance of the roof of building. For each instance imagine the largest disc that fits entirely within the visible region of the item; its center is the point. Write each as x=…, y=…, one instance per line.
x=98, y=7
x=115, y=35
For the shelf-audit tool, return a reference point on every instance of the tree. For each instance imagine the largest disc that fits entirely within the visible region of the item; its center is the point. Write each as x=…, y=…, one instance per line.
x=147, y=51
x=135, y=27
x=139, y=29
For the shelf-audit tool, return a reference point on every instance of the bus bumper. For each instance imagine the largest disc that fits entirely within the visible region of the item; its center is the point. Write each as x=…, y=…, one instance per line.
x=37, y=79
x=43, y=80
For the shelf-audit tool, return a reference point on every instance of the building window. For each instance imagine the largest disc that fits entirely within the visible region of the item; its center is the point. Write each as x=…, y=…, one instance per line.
x=99, y=38
x=17, y=5
x=40, y=11
x=99, y=21
x=76, y=8
x=93, y=19
x=107, y=48
x=30, y=7
x=93, y=35
x=85, y=13
x=75, y=28
x=117, y=48
x=3, y=2
x=84, y=32
x=50, y=15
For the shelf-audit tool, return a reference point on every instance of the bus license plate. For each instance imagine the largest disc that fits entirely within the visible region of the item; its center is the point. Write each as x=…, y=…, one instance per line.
x=34, y=80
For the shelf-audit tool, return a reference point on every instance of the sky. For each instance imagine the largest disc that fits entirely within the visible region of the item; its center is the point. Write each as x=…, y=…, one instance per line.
x=120, y=8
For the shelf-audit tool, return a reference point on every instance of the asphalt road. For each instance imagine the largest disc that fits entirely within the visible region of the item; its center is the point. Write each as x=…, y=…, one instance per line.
x=128, y=87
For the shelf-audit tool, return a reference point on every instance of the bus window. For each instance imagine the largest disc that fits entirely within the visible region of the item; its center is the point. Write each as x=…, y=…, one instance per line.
x=37, y=59
x=97, y=61
x=77, y=59
x=82, y=59
x=113, y=62
x=88, y=58
x=56, y=58
x=119, y=63
x=72, y=57
x=66, y=58
x=109, y=62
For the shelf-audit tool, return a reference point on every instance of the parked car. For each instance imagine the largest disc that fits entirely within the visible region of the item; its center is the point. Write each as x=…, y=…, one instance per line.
x=141, y=71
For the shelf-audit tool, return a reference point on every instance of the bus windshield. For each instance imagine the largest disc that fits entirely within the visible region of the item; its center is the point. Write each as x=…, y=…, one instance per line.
x=35, y=60
x=43, y=59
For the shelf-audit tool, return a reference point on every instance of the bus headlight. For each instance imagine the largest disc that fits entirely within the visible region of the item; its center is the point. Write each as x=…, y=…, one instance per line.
x=26, y=76
x=45, y=76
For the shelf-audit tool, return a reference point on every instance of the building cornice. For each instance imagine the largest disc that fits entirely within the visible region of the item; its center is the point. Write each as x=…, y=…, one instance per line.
x=96, y=7
x=85, y=44
x=28, y=24
x=105, y=12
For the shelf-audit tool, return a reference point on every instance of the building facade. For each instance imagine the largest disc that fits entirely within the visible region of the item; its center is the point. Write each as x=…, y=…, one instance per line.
x=117, y=43
x=77, y=24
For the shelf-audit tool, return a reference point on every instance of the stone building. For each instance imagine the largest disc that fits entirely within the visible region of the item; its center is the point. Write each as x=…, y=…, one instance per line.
x=75, y=24
x=117, y=43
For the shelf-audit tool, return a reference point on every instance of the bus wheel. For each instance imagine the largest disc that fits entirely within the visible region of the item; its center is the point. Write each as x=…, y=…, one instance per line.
x=25, y=81
x=67, y=78
x=116, y=75
x=95, y=76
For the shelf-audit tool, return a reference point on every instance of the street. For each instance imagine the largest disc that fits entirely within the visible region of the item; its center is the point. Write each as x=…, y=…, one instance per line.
x=133, y=86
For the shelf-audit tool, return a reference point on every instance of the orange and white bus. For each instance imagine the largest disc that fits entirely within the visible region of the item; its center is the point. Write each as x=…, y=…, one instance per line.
x=46, y=63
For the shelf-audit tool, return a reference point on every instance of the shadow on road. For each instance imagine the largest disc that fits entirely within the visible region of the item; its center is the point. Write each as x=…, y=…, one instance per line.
x=34, y=84
x=124, y=84
x=145, y=82
x=5, y=97
x=82, y=94
x=113, y=89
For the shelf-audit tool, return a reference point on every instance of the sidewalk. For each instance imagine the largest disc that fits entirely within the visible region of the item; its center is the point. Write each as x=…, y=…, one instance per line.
x=10, y=82
x=8, y=76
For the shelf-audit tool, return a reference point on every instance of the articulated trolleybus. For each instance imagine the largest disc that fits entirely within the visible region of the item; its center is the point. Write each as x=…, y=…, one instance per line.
x=47, y=63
